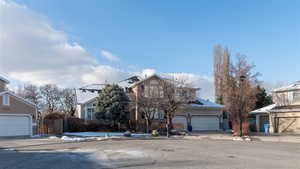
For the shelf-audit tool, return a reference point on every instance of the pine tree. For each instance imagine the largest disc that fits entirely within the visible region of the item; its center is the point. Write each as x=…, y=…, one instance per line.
x=112, y=106
x=262, y=98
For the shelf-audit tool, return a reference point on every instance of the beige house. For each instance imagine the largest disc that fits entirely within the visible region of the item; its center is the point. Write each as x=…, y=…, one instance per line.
x=17, y=115
x=200, y=114
x=284, y=115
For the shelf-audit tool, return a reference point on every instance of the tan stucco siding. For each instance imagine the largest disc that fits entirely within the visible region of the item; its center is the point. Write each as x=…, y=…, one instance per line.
x=17, y=107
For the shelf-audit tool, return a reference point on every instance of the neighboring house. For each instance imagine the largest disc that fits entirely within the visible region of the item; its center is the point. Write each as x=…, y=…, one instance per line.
x=86, y=101
x=17, y=115
x=202, y=114
x=284, y=115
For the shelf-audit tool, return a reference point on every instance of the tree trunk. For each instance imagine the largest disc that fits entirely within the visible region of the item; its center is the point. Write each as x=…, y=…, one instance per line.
x=147, y=125
x=168, y=126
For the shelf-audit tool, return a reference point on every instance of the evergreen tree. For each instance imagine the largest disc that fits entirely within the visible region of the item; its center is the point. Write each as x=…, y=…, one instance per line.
x=112, y=106
x=262, y=98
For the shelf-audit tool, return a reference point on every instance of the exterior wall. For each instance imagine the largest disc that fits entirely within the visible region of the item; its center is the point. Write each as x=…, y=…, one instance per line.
x=287, y=98
x=17, y=107
x=285, y=122
x=2, y=85
x=138, y=92
x=87, y=111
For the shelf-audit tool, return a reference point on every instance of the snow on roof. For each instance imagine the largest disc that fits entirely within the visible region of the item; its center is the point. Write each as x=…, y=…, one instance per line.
x=88, y=93
x=4, y=79
x=83, y=97
x=292, y=86
x=264, y=109
x=206, y=104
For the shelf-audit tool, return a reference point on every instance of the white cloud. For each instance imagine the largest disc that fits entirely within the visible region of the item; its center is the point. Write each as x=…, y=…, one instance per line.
x=109, y=56
x=32, y=51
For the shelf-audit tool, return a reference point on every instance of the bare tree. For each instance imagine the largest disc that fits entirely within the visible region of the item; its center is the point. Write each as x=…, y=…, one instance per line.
x=221, y=71
x=148, y=107
x=176, y=95
x=30, y=93
x=68, y=101
x=51, y=98
x=240, y=95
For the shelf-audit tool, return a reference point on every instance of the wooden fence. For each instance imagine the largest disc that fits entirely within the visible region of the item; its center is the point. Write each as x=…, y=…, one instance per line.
x=46, y=126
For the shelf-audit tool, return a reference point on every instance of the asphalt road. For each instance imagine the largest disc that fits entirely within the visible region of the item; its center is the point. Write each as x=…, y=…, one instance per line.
x=148, y=154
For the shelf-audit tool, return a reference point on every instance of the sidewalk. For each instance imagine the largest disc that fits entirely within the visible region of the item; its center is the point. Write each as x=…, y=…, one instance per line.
x=288, y=138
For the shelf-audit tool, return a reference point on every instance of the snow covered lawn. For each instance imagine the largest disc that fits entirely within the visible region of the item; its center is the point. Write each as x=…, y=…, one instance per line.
x=104, y=134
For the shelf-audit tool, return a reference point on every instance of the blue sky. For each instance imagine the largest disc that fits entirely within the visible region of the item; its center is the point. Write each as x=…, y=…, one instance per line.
x=178, y=36
x=74, y=43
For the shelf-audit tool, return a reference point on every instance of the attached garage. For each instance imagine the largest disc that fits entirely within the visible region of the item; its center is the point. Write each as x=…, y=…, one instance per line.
x=15, y=125
x=202, y=115
x=205, y=123
x=180, y=122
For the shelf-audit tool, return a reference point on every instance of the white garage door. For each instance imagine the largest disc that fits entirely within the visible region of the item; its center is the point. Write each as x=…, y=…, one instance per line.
x=205, y=123
x=11, y=125
x=180, y=119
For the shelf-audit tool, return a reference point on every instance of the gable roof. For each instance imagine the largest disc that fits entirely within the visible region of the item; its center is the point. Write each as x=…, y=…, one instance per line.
x=143, y=80
x=290, y=87
x=4, y=79
x=18, y=97
x=85, y=97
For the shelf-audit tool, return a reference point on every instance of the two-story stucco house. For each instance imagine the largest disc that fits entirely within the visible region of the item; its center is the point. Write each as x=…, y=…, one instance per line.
x=201, y=114
x=284, y=115
x=17, y=115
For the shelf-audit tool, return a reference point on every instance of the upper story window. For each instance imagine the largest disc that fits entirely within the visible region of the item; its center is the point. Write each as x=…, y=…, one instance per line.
x=5, y=100
x=153, y=91
x=296, y=96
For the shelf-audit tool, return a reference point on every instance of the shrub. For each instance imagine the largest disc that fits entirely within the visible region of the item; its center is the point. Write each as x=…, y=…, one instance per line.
x=54, y=116
x=76, y=125
x=92, y=126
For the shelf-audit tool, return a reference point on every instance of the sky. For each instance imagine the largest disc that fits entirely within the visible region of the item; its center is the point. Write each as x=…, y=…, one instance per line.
x=72, y=43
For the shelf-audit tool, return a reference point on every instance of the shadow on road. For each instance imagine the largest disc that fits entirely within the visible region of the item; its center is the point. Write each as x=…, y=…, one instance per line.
x=40, y=159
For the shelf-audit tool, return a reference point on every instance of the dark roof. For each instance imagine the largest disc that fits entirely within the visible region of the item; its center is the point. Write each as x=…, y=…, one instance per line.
x=4, y=80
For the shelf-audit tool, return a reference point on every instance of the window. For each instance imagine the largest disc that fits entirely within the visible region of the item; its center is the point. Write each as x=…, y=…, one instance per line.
x=158, y=115
x=154, y=91
x=90, y=111
x=297, y=96
x=290, y=97
x=5, y=100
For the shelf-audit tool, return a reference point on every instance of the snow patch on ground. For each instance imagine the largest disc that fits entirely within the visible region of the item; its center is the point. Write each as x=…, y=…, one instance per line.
x=53, y=137
x=72, y=139
x=36, y=136
x=104, y=134
x=131, y=153
x=10, y=149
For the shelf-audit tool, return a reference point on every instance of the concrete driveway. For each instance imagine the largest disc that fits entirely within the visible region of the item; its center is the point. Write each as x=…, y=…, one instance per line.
x=146, y=154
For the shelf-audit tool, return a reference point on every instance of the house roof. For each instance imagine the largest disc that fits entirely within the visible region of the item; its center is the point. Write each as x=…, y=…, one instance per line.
x=265, y=109
x=4, y=79
x=86, y=94
x=139, y=82
x=18, y=97
x=290, y=87
x=202, y=103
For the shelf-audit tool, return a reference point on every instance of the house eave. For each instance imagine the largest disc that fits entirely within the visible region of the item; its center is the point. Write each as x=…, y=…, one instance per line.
x=20, y=98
